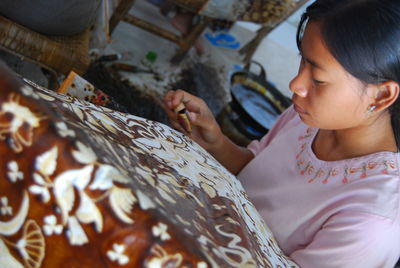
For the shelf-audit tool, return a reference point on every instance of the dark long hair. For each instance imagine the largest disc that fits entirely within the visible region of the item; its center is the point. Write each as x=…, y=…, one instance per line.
x=364, y=37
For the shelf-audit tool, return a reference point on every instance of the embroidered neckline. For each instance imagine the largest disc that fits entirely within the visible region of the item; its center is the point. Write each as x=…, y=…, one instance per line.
x=374, y=164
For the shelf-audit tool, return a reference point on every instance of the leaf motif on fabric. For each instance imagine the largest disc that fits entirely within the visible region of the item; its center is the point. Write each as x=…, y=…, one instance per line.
x=46, y=163
x=75, y=233
x=89, y=213
x=105, y=176
x=122, y=201
x=84, y=154
x=63, y=130
x=144, y=201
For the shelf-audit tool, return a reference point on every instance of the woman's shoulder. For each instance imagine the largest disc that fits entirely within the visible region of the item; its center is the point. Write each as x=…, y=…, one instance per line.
x=368, y=184
x=349, y=170
x=372, y=183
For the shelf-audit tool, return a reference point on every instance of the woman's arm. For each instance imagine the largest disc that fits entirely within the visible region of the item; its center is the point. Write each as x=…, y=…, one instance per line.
x=231, y=156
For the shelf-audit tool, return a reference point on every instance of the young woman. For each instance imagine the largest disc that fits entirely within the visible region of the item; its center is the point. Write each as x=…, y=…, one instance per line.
x=326, y=176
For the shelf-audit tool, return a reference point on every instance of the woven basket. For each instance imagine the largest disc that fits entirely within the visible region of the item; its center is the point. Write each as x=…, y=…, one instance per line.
x=58, y=54
x=270, y=12
x=192, y=5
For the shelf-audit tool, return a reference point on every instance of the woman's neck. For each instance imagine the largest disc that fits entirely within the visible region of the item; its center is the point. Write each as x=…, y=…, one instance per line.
x=377, y=136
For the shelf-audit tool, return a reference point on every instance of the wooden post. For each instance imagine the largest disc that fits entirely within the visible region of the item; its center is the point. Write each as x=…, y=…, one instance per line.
x=152, y=28
x=250, y=48
x=122, y=9
x=189, y=40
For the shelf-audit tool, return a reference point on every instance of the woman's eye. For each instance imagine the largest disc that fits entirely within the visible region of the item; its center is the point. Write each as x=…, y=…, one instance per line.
x=318, y=82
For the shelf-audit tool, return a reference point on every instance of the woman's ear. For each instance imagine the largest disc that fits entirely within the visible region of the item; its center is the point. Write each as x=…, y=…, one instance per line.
x=386, y=94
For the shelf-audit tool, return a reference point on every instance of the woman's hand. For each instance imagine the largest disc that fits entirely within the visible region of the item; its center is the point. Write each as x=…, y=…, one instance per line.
x=205, y=129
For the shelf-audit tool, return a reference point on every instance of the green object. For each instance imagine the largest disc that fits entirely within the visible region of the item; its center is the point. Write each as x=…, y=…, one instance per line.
x=151, y=56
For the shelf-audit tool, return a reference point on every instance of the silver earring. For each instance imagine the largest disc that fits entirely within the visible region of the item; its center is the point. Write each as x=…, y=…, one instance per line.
x=371, y=108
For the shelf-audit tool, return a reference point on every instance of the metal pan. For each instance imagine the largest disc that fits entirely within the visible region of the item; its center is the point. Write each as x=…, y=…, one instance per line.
x=256, y=102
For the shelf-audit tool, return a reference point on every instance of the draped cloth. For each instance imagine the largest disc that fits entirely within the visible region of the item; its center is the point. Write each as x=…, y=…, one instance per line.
x=85, y=186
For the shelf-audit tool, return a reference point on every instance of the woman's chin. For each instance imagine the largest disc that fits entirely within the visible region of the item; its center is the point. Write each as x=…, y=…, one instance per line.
x=305, y=118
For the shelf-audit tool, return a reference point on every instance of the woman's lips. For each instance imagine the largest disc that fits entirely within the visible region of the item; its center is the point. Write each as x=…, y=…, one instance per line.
x=299, y=109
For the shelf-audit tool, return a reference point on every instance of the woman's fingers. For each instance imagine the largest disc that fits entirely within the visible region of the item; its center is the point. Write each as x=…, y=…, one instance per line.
x=196, y=109
x=173, y=119
x=171, y=115
x=192, y=103
x=168, y=99
x=175, y=97
x=199, y=120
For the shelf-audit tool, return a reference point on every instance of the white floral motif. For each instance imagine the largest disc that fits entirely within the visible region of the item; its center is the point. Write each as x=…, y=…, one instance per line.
x=32, y=244
x=51, y=226
x=105, y=176
x=21, y=116
x=46, y=164
x=88, y=212
x=117, y=255
x=144, y=201
x=41, y=188
x=64, y=185
x=28, y=91
x=163, y=259
x=121, y=199
x=5, y=208
x=14, y=174
x=75, y=182
x=230, y=189
x=161, y=231
x=202, y=265
x=84, y=155
x=63, y=130
x=75, y=233
x=14, y=225
x=6, y=258
x=21, y=246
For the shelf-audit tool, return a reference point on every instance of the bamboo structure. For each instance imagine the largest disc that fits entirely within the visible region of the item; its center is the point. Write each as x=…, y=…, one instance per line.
x=57, y=54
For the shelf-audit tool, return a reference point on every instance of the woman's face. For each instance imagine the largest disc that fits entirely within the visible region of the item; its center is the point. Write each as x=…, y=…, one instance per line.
x=325, y=95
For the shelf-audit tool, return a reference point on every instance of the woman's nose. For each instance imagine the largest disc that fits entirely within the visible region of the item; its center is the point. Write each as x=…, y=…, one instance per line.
x=299, y=85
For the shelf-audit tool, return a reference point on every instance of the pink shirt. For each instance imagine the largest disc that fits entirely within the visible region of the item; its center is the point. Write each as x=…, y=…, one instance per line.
x=325, y=214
